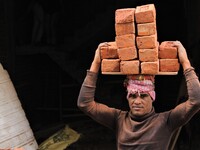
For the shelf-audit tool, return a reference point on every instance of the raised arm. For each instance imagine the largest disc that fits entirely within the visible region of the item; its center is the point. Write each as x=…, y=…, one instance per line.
x=99, y=112
x=184, y=111
x=182, y=54
x=97, y=59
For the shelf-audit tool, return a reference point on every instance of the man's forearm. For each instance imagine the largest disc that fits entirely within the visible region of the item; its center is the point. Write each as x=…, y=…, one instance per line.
x=95, y=67
x=192, y=84
x=186, y=65
x=87, y=90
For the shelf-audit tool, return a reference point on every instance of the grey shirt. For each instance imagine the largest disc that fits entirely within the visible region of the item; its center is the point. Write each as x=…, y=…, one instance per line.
x=150, y=132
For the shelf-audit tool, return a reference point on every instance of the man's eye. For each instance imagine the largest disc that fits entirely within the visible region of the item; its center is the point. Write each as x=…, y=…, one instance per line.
x=142, y=95
x=133, y=95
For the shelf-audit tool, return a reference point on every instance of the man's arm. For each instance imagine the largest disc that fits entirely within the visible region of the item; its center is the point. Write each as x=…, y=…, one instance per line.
x=182, y=113
x=182, y=54
x=97, y=59
x=99, y=112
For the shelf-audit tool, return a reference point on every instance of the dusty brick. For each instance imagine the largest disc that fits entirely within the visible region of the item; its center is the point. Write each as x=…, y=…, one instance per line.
x=127, y=40
x=169, y=65
x=146, y=42
x=150, y=67
x=110, y=65
x=128, y=53
x=124, y=15
x=145, y=13
x=148, y=55
x=125, y=28
x=146, y=29
x=109, y=51
x=129, y=67
x=167, y=51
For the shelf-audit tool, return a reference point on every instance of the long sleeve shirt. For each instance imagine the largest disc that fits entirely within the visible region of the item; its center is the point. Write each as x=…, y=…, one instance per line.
x=152, y=131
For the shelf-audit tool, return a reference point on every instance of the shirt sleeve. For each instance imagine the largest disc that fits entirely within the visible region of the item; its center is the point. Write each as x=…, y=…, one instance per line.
x=182, y=113
x=97, y=111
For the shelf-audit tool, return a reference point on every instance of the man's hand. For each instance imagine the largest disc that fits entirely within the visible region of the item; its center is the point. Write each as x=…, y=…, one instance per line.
x=182, y=55
x=97, y=58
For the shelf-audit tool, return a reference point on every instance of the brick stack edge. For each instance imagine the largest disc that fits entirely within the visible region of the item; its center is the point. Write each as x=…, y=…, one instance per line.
x=147, y=39
x=168, y=58
x=136, y=49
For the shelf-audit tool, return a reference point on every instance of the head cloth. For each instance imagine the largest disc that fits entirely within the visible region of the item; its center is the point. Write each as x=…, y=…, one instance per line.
x=140, y=84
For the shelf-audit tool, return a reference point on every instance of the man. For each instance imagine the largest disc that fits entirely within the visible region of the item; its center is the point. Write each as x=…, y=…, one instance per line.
x=141, y=128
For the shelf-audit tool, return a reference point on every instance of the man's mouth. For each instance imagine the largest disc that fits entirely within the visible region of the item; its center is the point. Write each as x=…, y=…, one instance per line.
x=137, y=107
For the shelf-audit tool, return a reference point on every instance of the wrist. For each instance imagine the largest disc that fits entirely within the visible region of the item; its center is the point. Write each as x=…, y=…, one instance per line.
x=97, y=62
x=95, y=66
x=186, y=65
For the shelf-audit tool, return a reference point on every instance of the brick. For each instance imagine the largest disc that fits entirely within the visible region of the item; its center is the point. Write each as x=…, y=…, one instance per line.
x=125, y=28
x=145, y=13
x=110, y=65
x=129, y=67
x=124, y=15
x=109, y=51
x=127, y=40
x=146, y=42
x=167, y=51
x=150, y=67
x=146, y=29
x=169, y=65
x=148, y=55
x=128, y=53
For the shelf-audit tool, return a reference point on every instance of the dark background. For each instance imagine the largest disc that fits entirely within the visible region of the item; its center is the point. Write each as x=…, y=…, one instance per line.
x=47, y=46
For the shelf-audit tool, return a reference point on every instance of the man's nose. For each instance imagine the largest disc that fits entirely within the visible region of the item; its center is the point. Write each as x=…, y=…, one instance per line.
x=137, y=100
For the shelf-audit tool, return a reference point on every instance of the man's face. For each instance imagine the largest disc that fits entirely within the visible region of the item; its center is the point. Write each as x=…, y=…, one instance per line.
x=140, y=104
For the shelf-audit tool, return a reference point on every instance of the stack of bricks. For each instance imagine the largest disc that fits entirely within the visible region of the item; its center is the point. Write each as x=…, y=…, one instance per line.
x=168, y=57
x=146, y=39
x=109, y=56
x=123, y=60
x=125, y=40
x=136, y=49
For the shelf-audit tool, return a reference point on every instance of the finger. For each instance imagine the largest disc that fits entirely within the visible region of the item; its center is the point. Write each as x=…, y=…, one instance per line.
x=103, y=44
x=176, y=44
x=107, y=43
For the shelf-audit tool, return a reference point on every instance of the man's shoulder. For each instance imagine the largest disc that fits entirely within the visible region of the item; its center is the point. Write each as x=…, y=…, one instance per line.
x=163, y=114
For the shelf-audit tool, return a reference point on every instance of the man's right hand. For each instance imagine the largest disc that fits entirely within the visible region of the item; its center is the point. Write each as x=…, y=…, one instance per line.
x=97, y=58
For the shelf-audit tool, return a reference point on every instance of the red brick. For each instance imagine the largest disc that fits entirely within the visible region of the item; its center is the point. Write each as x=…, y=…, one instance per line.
x=125, y=28
x=146, y=29
x=109, y=51
x=129, y=67
x=127, y=40
x=110, y=65
x=124, y=15
x=150, y=67
x=145, y=13
x=148, y=54
x=167, y=51
x=128, y=53
x=144, y=42
x=169, y=65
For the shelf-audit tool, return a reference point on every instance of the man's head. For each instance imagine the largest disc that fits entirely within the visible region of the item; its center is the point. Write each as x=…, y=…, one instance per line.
x=140, y=94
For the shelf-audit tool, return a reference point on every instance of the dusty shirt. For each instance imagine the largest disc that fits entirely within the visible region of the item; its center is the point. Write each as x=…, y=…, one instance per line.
x=150, y=132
